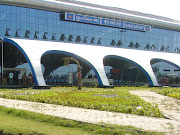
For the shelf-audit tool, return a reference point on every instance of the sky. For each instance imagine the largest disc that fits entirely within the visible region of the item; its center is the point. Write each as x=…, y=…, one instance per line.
x=166, y=8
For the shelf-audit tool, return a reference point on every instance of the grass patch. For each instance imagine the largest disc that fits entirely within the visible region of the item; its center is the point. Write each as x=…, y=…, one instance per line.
x=171, y=92
x=115, y=100
x=24, y=122
x=166, y=91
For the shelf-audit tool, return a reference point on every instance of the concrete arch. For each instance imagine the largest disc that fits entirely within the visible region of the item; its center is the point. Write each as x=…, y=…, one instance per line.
x=77, y=57
x=94, y=55
x=134, y=63
x=25, y=55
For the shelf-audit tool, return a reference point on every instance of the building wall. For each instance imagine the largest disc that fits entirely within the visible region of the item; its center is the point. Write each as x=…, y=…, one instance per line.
x=34, y=30
x=36, y=24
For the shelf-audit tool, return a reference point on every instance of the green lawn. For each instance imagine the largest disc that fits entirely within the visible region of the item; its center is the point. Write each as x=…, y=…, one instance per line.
x=168, y=91
x=27, y=123
x=16, y=125
x=115, y=100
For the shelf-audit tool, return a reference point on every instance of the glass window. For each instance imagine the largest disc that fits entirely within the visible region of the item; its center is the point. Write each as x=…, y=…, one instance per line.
x=23, y=11
x=37, y=13
x=50, y=14
x=32, y=19
x=46, y=28
x=23, y=26
x=8, y=9
x=8, y=17
x=32, y=26
x=41, y=28
x=36, y=20
x=28, y=11
x=50, y=28
x=13, y=25
x=18, y=10
x=13, y=10
x=18, y=25
x=41, y=13
x=3, y=8
x=41, y=20
x=13, y=17
x=23, y=18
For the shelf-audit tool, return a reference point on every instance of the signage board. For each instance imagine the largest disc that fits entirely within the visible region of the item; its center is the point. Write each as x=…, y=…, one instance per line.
x=103, y=21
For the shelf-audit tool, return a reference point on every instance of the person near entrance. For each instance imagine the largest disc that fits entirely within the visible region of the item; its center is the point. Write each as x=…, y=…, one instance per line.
x=11, y=77
x=24, y=80
x=30, y=79
x=5, y=79
x=19, y=78
x=0, y=79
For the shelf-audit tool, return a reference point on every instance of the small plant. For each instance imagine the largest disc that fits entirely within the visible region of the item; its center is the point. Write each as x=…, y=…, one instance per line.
x=171, y=92
x=114, y=100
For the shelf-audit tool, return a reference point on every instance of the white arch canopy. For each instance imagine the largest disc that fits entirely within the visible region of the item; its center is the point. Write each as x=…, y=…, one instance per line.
x=34, y=49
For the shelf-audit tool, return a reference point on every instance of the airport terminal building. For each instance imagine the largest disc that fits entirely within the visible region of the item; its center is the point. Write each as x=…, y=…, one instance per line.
x=114, y=46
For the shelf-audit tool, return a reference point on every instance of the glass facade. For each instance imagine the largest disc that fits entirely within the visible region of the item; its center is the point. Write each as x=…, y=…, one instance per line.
x=35, y=24
x=20, y=22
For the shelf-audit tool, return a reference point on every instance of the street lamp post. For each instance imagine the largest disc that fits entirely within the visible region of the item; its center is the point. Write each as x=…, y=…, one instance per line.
x=2, y=40
x=67, y=61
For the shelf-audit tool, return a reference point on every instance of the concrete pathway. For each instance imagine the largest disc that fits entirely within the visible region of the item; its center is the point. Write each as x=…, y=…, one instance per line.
x=169, y=106
x=95, y=116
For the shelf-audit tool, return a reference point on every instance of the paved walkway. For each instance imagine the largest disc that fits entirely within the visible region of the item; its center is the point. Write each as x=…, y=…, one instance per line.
x=169, y=106
x=95, y=116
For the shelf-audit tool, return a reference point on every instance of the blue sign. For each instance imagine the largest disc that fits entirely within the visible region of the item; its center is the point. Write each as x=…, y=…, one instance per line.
x=87, y=19
x=113, y=23
x=106, y=22
x=134, y=26
x=147, y=28
x=69, y=16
